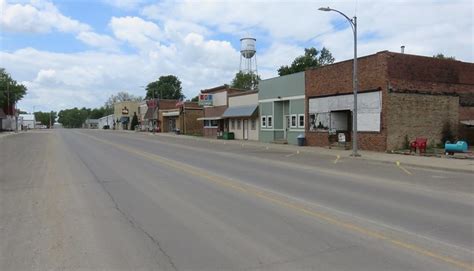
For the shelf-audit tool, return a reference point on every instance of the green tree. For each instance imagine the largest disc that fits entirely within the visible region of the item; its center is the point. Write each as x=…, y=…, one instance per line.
x=167, y=87
x=442, y=56
x=195, y=99
x=134, y=122
x=45, y=117
x=312, y=58
x=245, y=81
x=73, y=118
x=10, y=91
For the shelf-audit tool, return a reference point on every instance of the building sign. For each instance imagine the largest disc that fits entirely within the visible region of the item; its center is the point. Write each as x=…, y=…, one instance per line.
x=125, y=111
x=205, y=99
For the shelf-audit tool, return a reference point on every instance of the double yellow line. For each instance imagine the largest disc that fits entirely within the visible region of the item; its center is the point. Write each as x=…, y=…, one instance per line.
x=271, y=197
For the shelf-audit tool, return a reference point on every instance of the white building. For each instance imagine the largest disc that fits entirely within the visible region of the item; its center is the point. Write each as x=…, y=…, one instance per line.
x=107, y=120
x=242, y=115
x=26, y=121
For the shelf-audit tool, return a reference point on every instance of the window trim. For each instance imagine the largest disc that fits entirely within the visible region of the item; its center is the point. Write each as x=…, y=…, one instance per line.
x=299, y=120
x=269, y=123
x=291, y=121
x=263, y=121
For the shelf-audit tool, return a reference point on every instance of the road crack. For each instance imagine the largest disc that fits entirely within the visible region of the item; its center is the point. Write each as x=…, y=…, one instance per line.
x=128, y=218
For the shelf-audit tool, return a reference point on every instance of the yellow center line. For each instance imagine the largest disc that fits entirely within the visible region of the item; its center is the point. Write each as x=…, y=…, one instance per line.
x=402, y=168
x=268, y=196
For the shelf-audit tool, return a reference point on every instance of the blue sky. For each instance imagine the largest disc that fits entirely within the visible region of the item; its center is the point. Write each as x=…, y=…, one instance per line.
x=79, y=52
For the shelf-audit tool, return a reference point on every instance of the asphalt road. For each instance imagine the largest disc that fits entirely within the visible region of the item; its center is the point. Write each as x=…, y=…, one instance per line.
x=84, y=199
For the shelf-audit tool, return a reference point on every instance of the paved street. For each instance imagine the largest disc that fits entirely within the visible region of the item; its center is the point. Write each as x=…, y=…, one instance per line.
x=91, y=199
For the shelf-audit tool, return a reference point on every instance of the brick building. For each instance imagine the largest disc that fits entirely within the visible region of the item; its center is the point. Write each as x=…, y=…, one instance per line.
x=400, y=96
x=183, y=118
x=164, y=105
x=215, y=102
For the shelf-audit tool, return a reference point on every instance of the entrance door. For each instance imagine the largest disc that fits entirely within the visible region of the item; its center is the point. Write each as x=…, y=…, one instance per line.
x=171, y=125
x=245, y=127
x=286, y=126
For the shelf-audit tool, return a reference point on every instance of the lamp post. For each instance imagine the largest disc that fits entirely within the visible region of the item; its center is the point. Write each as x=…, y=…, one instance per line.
x=353, y=23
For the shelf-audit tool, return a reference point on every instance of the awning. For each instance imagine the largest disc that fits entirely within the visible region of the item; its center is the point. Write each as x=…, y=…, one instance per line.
x=467, y=122
x=210, y=118
x=171, y=114
x=2, y=114
x=240, y=111
x=150, y=113
x=124, y=119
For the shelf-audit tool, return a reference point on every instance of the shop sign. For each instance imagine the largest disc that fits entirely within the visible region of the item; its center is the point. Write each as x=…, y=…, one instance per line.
x=205, y=99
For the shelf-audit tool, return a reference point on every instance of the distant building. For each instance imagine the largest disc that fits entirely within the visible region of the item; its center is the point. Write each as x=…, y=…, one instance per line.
x=106, y=121
x=183, y=118
x=214, y=101
x=123, y=114
x=91, y=124
x=28, y=121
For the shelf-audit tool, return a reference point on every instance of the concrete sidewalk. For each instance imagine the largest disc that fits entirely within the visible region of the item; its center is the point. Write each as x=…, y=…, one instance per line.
x=438, y=163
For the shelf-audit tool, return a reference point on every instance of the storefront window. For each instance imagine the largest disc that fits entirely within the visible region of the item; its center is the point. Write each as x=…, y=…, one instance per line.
x=270, y=121
x=238, y=124
x=232, y=124
x=318, y=121
x=253, y=124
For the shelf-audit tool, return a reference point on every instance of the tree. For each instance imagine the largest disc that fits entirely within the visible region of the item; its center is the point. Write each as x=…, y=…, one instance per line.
x=134, y=122
x=73, y=118
x=312, y=58
x=167, y=87
x=195, y=99
x=441, y=56
x=245, y=80
x=121, y=96
x=45, y=117
x=10, y=92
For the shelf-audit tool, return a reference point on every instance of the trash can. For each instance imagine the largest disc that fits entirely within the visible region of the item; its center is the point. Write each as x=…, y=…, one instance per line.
x=301, y=140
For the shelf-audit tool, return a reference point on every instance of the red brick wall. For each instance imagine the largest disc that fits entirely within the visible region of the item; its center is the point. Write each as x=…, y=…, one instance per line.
x=337, y=79
x=167, y=104
x=215, y=111
x=392, y=72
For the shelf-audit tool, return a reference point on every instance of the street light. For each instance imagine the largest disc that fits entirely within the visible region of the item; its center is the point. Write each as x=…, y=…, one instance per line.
x=353, y=23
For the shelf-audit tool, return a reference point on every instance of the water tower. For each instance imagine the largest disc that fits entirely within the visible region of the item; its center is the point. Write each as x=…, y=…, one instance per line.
x=248, y=57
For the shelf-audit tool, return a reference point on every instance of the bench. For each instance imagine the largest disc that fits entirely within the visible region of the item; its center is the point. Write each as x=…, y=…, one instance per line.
x=420, y=144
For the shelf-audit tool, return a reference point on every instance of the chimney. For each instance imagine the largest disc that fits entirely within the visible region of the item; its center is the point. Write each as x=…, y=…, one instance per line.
x=402, y=49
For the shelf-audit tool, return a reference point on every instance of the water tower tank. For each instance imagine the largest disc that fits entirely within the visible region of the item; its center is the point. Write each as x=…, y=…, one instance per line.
x=247, y=47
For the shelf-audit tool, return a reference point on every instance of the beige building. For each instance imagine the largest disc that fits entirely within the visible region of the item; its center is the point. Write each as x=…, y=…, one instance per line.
x=242, y=115
x=123, y=114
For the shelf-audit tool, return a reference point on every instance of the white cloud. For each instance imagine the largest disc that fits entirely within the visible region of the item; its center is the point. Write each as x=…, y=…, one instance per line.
x=139, y=33
x=194, y=40
x=104, y=42
x=124, y=4
x=37, y=17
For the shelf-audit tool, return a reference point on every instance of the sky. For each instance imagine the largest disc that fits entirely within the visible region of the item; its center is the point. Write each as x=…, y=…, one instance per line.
x=76, y=53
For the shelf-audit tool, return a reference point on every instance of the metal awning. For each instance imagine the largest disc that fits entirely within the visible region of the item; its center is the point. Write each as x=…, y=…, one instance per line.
x=210, y=118
x=171, y=114
x=240, y=111
x=124, y=119
x=467, y=122
x=150, y=113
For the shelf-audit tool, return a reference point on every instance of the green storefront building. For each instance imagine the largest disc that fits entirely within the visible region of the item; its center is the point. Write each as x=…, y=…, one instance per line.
x=281, y=104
